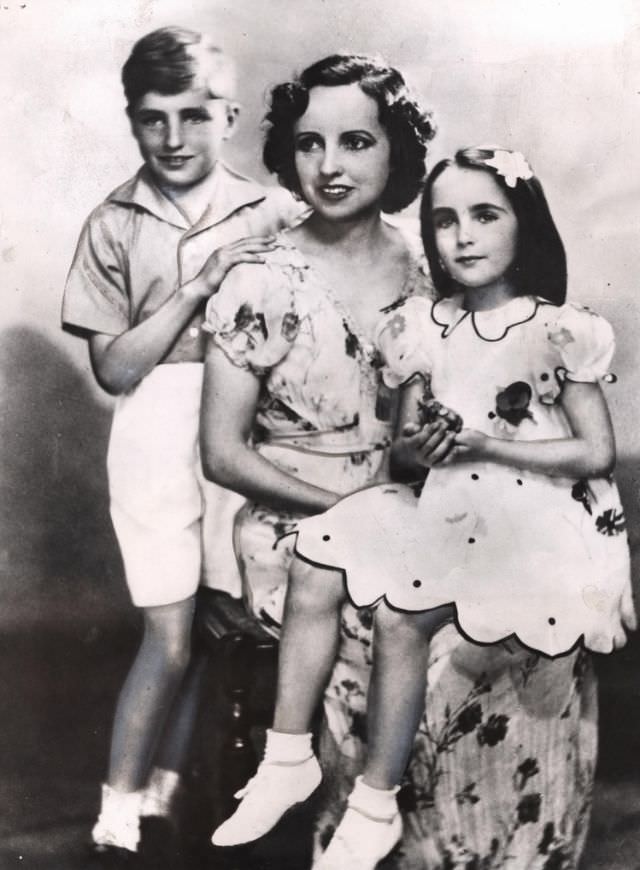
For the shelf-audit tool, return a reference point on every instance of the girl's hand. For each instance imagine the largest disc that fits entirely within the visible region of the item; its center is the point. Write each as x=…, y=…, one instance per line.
x=210, y=277
x=422, y=446
x=430, y=410
x=470, y=446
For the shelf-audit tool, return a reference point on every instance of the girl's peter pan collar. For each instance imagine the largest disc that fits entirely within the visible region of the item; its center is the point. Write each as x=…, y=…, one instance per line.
x=490, y=325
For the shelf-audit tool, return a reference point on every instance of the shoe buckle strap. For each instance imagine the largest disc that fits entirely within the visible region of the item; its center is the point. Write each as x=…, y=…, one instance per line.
x=243, y=792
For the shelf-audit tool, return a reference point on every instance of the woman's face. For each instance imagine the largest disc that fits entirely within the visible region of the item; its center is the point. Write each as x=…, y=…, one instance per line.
x=341, y=153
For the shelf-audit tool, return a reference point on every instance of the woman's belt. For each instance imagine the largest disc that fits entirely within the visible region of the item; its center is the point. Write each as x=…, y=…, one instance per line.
x=328, y=442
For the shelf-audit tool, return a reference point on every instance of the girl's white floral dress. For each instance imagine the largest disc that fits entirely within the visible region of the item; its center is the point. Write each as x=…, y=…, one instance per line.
x=544, y=557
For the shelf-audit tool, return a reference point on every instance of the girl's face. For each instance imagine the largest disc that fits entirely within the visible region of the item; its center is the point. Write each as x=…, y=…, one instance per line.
x=476, y=229
x=341, y=153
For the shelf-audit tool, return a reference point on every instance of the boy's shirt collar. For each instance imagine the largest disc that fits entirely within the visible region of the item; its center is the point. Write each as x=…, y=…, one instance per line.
x=232, y=192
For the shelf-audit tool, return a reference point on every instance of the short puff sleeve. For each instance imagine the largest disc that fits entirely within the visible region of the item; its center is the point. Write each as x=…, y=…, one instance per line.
x=584, y=341
x=253, y=317
x=402, y=337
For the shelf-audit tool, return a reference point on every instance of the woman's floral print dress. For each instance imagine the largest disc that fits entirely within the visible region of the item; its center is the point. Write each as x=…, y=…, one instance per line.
x=324, y=413
x=502, y=769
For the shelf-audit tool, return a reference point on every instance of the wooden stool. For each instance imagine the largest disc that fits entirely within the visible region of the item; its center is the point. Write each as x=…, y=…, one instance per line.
x=242, y=693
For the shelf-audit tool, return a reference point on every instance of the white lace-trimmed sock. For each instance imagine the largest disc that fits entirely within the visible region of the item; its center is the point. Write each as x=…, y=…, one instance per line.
x=119, y=821
x=378, y=803
x=283, y=748
x=158, y=796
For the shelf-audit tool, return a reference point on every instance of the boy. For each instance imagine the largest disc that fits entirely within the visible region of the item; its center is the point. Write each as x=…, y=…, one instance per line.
x=147, y=260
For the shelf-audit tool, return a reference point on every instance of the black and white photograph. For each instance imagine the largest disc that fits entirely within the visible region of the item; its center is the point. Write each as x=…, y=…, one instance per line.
x=320, y=527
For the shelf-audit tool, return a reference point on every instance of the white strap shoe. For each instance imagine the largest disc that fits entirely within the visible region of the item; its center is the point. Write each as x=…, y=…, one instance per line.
x=360, y=841
x=276, y=787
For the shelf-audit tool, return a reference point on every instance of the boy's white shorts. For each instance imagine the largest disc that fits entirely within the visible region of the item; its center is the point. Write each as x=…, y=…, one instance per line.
x=174, y=528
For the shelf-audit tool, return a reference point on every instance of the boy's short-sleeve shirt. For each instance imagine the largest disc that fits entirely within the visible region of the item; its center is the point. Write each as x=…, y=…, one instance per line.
x=136, y=248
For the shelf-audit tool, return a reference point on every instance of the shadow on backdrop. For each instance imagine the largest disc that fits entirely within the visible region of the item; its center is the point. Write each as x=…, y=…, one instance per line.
x=58, y=555
x=67, y=631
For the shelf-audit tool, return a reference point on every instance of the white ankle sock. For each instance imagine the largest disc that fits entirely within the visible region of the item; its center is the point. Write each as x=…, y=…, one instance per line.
x=377, y=803
x=160, y=792
x=285, y=748
x=119, y=821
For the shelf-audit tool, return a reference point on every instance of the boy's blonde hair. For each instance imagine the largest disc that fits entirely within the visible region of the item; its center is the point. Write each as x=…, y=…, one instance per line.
x=172, y=60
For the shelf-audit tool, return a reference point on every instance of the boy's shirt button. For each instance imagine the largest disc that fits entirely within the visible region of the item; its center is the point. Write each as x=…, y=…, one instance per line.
x=194, y=332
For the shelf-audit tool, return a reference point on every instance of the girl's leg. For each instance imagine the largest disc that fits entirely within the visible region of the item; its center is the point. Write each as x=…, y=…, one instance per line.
x=371, y=825
x=397, y=689
x=144, y=702
x=290, y=772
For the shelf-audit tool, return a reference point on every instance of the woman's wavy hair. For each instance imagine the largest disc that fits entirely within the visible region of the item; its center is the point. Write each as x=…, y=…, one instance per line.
x=408, y=127
x=170, y=60
x=540, y=265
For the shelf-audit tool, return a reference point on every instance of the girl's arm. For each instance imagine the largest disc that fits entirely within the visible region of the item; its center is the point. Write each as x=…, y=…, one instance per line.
x=416, y=448
x=589, y=452
x=122, y=361
x=229, y=402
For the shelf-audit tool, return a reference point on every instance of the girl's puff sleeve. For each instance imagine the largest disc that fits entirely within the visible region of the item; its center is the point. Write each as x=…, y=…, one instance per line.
x=403, y=338
x=253, y=318
x=585, y=342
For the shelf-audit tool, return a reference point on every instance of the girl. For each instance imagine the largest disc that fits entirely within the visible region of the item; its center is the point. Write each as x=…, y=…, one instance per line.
x=522, y=506
x=521, y=495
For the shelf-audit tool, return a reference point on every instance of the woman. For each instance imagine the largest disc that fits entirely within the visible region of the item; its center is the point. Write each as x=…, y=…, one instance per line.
x=293, y=362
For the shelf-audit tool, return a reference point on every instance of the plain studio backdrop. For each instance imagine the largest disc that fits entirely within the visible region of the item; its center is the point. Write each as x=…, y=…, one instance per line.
x=557, y=79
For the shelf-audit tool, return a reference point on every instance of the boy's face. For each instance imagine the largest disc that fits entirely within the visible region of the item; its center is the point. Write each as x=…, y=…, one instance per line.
x=180, y=136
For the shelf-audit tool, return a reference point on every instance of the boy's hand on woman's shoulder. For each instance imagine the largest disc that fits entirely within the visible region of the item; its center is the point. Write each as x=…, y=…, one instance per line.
x=210, y=277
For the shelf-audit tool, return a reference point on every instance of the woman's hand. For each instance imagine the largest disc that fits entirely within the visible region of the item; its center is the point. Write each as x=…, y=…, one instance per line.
x=422, y=446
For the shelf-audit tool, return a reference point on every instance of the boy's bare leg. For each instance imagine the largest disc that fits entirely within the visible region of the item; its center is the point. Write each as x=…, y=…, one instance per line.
x=145, y=699
x=148, y=693
x=172, y=754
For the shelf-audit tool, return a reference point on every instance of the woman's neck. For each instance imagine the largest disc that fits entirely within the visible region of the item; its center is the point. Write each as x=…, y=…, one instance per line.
x=357, y=238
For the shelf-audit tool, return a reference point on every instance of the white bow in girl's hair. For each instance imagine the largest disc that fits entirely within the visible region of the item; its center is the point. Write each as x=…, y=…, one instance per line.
x=510, y=164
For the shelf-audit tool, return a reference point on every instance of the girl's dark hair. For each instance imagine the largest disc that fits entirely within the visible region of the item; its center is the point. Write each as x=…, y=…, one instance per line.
x=407, y=126
x=168, y=61
x=540, y=266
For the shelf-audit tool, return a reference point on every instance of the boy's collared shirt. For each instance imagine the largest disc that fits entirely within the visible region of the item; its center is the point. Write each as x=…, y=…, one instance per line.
x=136, y=248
